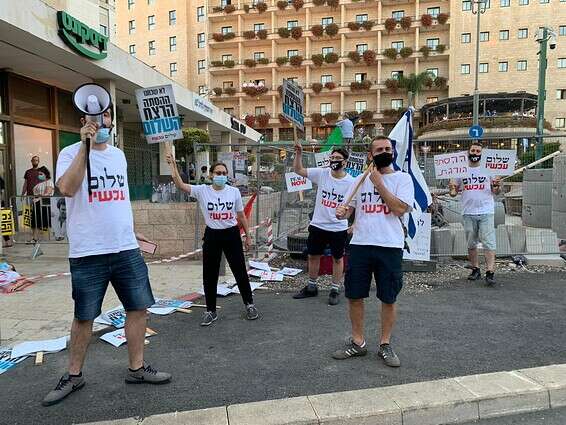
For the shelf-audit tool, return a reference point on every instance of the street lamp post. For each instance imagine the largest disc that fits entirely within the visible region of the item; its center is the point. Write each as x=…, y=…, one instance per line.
x=544, y=35
x=478, y=9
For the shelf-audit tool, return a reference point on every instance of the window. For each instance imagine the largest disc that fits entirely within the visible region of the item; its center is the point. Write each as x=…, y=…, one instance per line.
x=504, y=35
x=131, y=4
x=200, y=14
x=484, y=67
x=431, y=99
x=484, y=36
x=433, y=11
x=132, y=49
x=432, y=42
x=523, y=33
x=398, y=14
x=562, y=30
x=151, y=47
x=172, y=17
x=360, y=105
x=466, y=5
x=561, y=62
x=131, y=27
x=259, y=27
x=201, y=40
x=200, y=66
x=560, y=123
x=173, y=43
x=325, y=108
x=325, y=79
x=465, y=68
x=259, y=110
x=227, y=57
x=396, y=74
x=292, y=24
x=294, y=79
x=226, y=30
x=103, y=30
x=560, y=94
x=396, y=103
x=225, y=3
x=327, y=21
x=227, y=84
x=327, y=50
x=544, y=1
x=201, y=90
x=361, y=18
x=150, y=2
x=466, y=37
x=229, y=111
x=523, y=2
x=259, y=55
x=151, y=22
x=504, y=3
x=361, y=48
x=291, y=53
x=522, y=65
x=173, y=69
x=503, y=66
x=433, y=71
x=398, y=45
x=360, y=76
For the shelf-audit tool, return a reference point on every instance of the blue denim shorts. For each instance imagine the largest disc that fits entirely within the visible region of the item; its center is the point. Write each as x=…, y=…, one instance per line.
x=126, y=271
x=480, y=228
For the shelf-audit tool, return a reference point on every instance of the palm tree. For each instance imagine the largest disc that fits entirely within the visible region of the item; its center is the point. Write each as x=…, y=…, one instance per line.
x=415, y=83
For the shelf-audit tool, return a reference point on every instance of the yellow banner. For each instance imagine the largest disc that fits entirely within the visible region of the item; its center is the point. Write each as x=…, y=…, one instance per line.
x=7, y=222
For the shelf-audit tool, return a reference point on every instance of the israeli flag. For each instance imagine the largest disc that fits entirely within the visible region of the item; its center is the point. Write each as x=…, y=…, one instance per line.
x=404, y=160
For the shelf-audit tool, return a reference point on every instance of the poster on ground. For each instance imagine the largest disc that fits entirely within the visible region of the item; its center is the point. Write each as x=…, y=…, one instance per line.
x=296, y=183
x=498, y=162
x=419, y=245
x=6, y=360
x=158, y=112
x=451, y=165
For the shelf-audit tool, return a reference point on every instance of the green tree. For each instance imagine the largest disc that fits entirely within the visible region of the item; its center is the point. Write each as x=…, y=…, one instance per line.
x=415, y=83
x=191, y=136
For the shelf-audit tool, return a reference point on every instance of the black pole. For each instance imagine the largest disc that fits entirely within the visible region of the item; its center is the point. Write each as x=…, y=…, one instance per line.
x=88, y=166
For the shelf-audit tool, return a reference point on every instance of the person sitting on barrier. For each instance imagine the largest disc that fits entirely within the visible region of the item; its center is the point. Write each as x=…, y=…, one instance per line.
x=478, y=210
x=41, y=207
x=222, y=208
x=102, y=248
x=325, y=229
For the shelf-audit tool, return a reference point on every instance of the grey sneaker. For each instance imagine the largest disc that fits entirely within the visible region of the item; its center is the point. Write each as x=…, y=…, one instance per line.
x=351, y=349
x=388, y=355
x=67, y=384
x=251, y=312
x=333, y=297
x=147, y=375
x=208, y=318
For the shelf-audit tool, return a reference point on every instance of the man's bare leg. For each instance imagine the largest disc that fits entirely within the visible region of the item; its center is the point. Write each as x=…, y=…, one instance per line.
x=135, y=334
x=81, y=332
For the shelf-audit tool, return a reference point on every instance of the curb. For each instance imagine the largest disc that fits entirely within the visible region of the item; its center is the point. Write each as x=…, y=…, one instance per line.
x=453, y=400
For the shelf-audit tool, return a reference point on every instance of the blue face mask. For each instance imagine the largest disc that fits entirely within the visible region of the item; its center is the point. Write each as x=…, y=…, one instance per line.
x=102, y=135
x=220, y=181
x=41, y=177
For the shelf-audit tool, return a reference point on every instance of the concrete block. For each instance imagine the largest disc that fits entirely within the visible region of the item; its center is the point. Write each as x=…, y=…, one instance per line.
x=541, y=241
x=362, y=407
x=559, y=169
x=159, y=216
x=536, y=215
x=558, y=221
x=544, y=260
x=169, y=247
x=503, y=244
x=499, y=217
x=517, y=238
x=505, y=393
x=213, y=416
x=289, y=411
x=166, y=231
x=141, y=217
x=537, y=193
x=434, y=402
x=537, y=175
x=145, y=229
x=553, y=378
x=442, y=241
x=460, y=244
x=559, y=198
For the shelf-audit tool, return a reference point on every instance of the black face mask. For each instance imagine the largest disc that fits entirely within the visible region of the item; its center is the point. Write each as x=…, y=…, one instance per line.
x=383, y=159
x=336, y=165
x=473, y=157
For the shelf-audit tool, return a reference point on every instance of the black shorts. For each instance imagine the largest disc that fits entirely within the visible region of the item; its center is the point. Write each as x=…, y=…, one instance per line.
x=319, y=239
x=385, y=265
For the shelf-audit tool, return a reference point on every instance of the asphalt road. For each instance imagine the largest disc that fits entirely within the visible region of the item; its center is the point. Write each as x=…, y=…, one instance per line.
x=451, y=331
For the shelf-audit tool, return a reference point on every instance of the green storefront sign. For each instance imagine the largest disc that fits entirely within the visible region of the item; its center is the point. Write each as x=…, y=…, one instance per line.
x=78, y=36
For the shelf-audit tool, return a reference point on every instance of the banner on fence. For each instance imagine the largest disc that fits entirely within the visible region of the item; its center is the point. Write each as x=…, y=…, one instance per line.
x=498, y=162
x=158, y=113
x=296, y=183
x=355, y=164
x=26, y=215
x=451, y=165
x=7, y=222
x=419, y=245
x=321, y=159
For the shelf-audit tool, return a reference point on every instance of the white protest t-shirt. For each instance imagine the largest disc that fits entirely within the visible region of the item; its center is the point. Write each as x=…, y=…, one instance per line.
x=101, y=223
x=476, y=193
x=375, y=224
x=330, y=194
x=219, y=207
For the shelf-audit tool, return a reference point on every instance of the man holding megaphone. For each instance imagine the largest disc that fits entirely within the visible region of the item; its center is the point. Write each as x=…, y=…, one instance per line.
x=102, y=245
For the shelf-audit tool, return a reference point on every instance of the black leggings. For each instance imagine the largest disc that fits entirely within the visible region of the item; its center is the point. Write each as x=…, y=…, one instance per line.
x=228, y=241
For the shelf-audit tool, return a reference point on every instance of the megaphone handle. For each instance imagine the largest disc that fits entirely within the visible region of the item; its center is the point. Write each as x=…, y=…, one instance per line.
x=87, y=157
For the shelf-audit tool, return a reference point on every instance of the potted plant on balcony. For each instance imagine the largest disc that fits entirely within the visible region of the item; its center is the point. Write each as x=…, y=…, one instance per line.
x=390, y=24
x=263, y=119
x=316, y=87
x=282, y=60
x=390, y=53
x=296, y=32
x=246, y=8
x=366, y=84
x=284, y=32
x=318, y=2
x=261, y=6
x=263, y=61
x=262, y=34
x=217, y=9
x=251, y=91
x=218, y=36
x=331, y=117
x=368, y=25
x=250, y=63
x=249, y=35
x=283, y=120
x=229, y=36
x=262, y=90
x=215, y=63
x=230, y=91
x=405, y=22
x=369, y=57
x=229, y=8
x=405, y=52
x=296, y=60
x=392, y=85
x=354, y=56
x=442, y=18
x=441, y=82
x=229, y=63
x=250, y=120
x=297, y=4
x=441, y=48
x=333, y=3
x=217, y=91
x=355, y=86
x=366, y=115
x=425, y=50
x=316, y=118
x=426, y=20
x=332, y=29
x=317, y=59
x=317, y=30
x=331, y=57
x=280, y=90
x=282, y=4
x=330, y=85
x=354, y=26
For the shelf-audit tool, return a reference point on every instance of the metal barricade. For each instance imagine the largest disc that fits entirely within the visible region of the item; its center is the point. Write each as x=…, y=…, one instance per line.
x=39, y=219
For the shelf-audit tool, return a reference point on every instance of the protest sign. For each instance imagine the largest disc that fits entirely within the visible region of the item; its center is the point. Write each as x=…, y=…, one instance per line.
x=260, y=265
x=118, y=337
x=321, y=159
x=7, y=222
x=498, y=162
x=6, y=360
x=451, y=165
x=168, y=302
x=419, y=245
x=293, y=103
x=115, y=317
x=296, y=183
x=355, y=164
x=158, y=113
x=47, y=346
x=271, y=276
x=240, y=161
x=289, y=271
